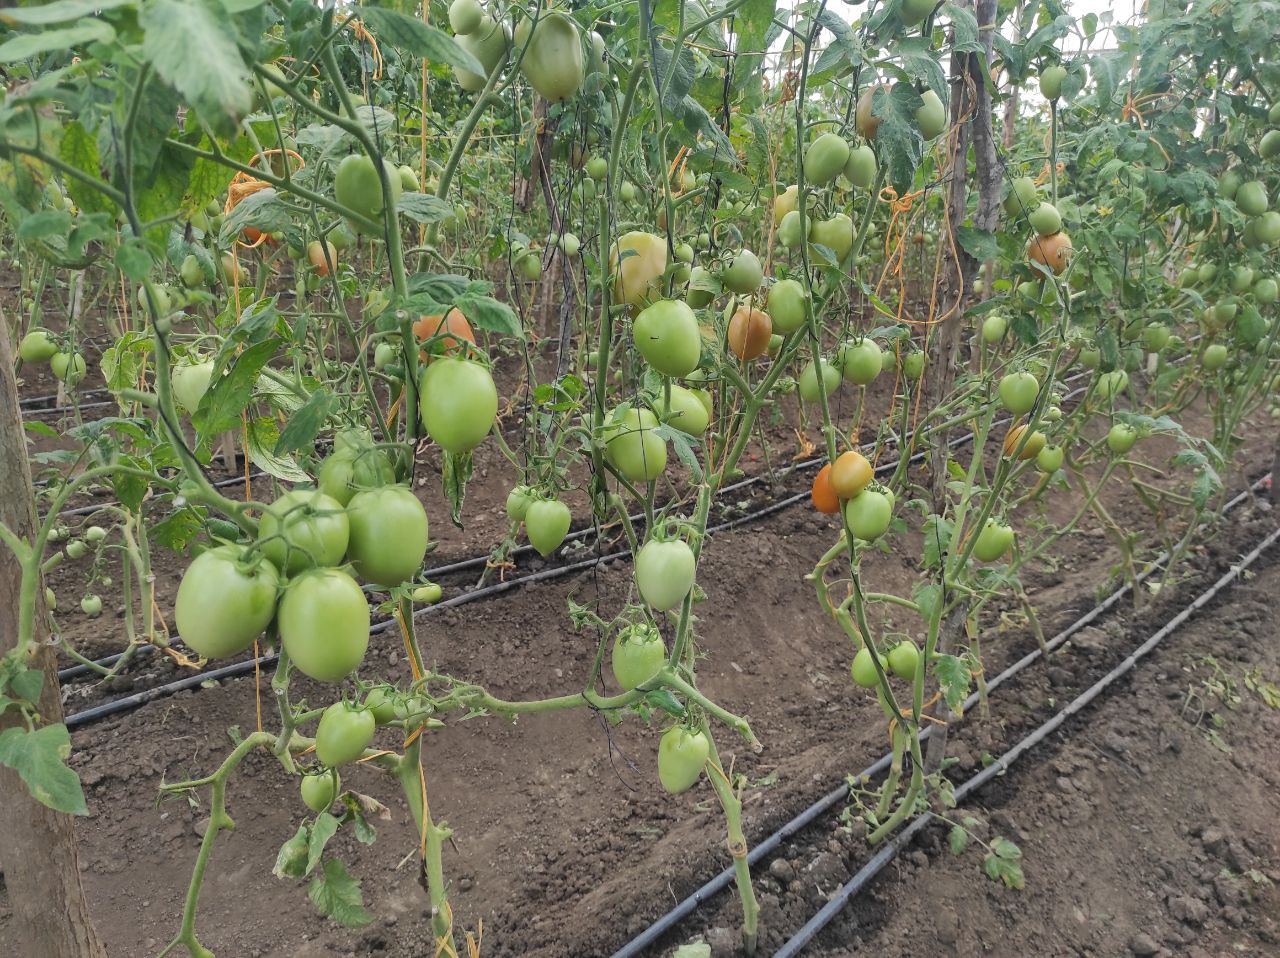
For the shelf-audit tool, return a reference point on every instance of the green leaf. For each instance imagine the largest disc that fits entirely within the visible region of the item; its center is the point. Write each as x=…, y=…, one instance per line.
x=40, y=759
x=263, y=450
x=980, y=244
x=304, y=425
x=751, y=23
x=414, y=36
x=43, y=225
x=265, y=210
x=209, y=178
x=133, y=260
x=1004, y=863
x=454, y=476
x=80, y=150
x=957, y=839
x=61, y=11
x=27, y=45
x=336, y=894
x=898, y=138
x=953, y=680
x=193, y=47
x=292, y=860
x=229, y=396
x=177, y=530
x=122, y=361
x=937, y=539
x=684, y=445
x=423, y=207
x=324, y=828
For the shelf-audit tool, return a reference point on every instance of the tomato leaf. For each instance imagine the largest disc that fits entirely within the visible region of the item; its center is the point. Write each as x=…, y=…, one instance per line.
x=27, y=45
x=292, y=860
x=336, y=894
x=684, y=446
x=40, y=759
x=81, y=150
x=423, y=207
x=980, y=244
x=898, y=138
x=418, y=38
x=263, y=447
x=305, y=424
x=958, y=839
x=937, y=539
x=265, y=210
x=454, y=476
x=229, y=395
x=193, y=47
x=177, y=530
x=1003, y=863
x=324, y=828
x=953, y=680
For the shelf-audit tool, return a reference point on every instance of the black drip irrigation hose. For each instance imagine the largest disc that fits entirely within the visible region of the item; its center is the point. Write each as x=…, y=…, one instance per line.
x=768, y=845
x=1001, y=765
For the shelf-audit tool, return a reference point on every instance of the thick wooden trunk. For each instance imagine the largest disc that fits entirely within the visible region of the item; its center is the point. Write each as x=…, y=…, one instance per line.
x=38, y=852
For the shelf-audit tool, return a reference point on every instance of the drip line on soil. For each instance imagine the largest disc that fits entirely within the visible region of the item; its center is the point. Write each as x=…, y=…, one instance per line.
x=769, y=844
x=1002, y=764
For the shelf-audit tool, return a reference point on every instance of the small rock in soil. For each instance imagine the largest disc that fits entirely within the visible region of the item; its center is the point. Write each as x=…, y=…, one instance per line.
x=1143, y=945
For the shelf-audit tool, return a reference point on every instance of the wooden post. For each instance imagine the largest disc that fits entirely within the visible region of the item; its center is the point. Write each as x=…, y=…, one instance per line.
x=38, y=852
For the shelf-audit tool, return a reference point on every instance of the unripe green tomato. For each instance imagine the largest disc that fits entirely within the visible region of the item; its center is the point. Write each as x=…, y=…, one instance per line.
x=76, y=548
x=1215, y=357
x=50, y=600
x=319, y=791
x=1050, y=458
x=913, y=364
x=863, y=669
x=597, y=168
x=191, y=273
x=1045, y=219
x=384, y=354
x=1051, y=81
x=904, y=658
x=518, y=501
x=993, y=329
x=428, y=594
x=1155, y=336
x=91, y=605
x=1121, y=437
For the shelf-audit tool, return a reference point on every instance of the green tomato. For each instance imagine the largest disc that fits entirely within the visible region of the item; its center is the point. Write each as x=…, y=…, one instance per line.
x=554, y=62
x=381, y=704
x=1045, y=219
x=931, y=116
x=1018, y=392
x=547, y=522
x=868, y=514
x=993, y=329
x=1266, y=291
x=189, y=383
x=1252, y=199
x=76, y=549
x=682, y=754
x=50, y=600
x=810, y=390
x=384, y=354
x=995, y=539
x=1051, y=78
x=304, y=528
x=861, y=361
x=91, y=605
x=357, y=185
x=1121, y=437
x=428, y=594
x=825, y=158
x=388, y=535
x=903, y=659
x=1155, y=336
x=785, y=306
x=1215, y=357
x=665, y=573
x=1050, y=459
x=1024, y=196
x=1111, y=384
x=352, y=469
x=1228, y=183
x=666, y=335
x=597, y=168
x=465, y=16
x=68, y=368
x=790, y=234
x=631, y=445
x=686, y=410
x=37, y=347
x=518, y=501
x=343, y=734
x=324, y=624
x=914, y=11
x=319, y=791
x=458, y=403
x=743, y=274
x=836, y=234
x=860, y=170
x=913, y=364
x=863, y=668
x=191, y=272
x=638, y=655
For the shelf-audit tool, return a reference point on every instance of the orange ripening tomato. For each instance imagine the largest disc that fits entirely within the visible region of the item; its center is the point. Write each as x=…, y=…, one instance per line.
x=1035, y=442
x=321, y=255
x=749, y=332
x=452, y=329
x=850, y=474
x=1053, y=252
x=824, y=497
